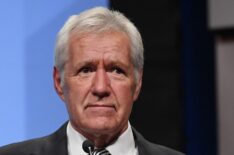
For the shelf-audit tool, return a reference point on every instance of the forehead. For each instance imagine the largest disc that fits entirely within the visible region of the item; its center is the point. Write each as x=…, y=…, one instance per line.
x=112, y=45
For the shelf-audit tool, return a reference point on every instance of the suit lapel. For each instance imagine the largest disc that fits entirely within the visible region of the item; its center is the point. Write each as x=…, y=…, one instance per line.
x=57, y=142
x=140, y=142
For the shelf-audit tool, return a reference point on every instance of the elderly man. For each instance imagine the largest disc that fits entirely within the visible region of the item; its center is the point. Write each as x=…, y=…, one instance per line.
x=98, y=74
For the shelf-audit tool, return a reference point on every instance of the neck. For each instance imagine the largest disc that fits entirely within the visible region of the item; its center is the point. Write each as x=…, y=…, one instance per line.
x=102, y=139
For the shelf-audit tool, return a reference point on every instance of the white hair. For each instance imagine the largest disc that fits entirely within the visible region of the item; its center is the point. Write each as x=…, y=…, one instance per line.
x=99, y=19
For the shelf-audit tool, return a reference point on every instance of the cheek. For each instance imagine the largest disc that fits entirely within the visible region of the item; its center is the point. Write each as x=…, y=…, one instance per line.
x=124, y=95
x=75, y=103
x=77, y=86
x=76, y=93
x=125, y=101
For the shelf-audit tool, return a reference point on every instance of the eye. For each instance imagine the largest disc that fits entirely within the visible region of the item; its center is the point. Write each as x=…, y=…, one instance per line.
x=85, y=70
x=117, y=70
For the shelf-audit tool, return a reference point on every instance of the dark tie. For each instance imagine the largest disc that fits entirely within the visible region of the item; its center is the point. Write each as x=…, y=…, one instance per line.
x=101, y=151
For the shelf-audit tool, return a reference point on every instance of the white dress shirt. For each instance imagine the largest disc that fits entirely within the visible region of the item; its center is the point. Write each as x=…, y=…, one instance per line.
x=124, y=145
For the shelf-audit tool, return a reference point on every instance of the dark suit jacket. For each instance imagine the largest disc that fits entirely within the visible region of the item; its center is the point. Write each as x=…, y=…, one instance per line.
x=56, y=144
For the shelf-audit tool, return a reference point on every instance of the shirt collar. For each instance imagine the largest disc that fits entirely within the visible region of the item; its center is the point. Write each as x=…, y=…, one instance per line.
x=125, y=140
x=75, y=141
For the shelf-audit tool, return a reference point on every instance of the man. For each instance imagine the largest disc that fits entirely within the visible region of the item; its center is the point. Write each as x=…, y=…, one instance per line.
x=98, y=74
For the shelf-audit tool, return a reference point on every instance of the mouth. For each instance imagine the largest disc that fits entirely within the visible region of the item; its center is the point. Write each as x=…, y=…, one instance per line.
x=100, y=107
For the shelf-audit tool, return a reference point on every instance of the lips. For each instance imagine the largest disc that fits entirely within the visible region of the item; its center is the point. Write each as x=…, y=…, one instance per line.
x=100, y=106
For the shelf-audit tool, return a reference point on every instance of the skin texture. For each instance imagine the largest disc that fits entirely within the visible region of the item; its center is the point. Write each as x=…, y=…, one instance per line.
x=99, y=85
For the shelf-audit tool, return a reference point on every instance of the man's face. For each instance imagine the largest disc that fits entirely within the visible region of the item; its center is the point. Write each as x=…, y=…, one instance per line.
x=99, y=85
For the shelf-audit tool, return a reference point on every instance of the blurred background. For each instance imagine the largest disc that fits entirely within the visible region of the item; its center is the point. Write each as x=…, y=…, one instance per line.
x=186, y=102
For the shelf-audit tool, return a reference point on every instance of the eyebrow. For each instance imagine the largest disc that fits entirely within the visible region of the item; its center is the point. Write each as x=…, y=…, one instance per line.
x=86, y=62
x=117, y=63
x=92, y=62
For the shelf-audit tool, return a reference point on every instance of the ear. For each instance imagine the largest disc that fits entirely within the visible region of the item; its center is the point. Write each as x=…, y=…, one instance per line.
x=57, y=83
x=138, y=86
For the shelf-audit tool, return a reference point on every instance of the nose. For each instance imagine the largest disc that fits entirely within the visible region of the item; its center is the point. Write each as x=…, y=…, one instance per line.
x=101, y=84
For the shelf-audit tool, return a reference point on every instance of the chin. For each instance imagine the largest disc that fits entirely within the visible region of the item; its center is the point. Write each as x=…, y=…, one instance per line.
x=103, y=126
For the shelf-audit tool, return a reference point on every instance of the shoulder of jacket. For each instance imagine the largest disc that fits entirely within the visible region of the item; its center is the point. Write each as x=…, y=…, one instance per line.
x=149, y=148
x=24, y=146
x=36, y=145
